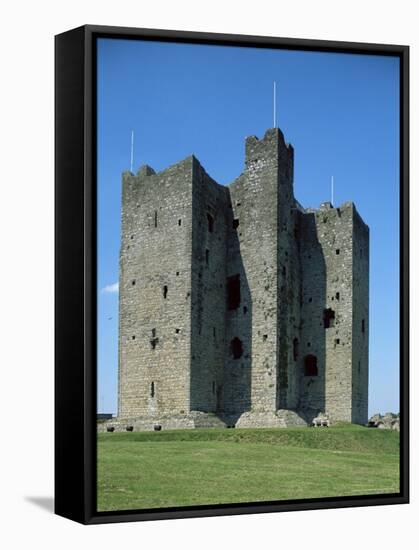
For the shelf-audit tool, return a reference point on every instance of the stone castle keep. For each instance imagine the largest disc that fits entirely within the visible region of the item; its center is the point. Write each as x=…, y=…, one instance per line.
x=238, y=307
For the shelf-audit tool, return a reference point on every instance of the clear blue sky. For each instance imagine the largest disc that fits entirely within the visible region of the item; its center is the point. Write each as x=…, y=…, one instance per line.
x=339, y=111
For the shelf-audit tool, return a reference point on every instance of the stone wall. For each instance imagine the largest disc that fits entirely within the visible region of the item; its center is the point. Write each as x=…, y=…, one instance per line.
x=360, y=320
x=334, y=302
x=208, y=270
x=313, y=302
x=261, y=218
x=155, y=292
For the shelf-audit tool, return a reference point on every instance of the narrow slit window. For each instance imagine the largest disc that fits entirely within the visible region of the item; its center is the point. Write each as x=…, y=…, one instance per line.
x=155, y=218
x=236, y=223
x=363, y=325
x=210, y=220
x=154, y=340
x=337, y=251
x=152, y=390
x=207, y=256
x=179, y=222
x=165, y=291
x=338, y=296
x=295, y=349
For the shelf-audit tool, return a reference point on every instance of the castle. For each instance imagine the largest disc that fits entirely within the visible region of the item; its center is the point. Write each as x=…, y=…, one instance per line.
x=238, y=307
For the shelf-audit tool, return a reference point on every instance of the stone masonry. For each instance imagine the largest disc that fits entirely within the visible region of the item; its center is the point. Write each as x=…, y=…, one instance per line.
x=238, y=306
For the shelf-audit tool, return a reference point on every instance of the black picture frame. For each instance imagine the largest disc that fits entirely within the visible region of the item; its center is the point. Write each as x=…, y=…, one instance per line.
x=75, y=269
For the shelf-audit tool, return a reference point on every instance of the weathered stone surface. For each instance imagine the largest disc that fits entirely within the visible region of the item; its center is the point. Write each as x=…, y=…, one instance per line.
x=388, y=421
x=321, y=420
x=238, y=306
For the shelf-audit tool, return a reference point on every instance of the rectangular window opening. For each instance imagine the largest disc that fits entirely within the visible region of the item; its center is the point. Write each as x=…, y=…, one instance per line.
x=233, y=292
x=328, y=317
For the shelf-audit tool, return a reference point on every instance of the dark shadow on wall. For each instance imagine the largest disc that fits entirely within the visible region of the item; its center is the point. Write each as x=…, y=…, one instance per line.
x=312, y=346
x=237, y=383
x=211, y=227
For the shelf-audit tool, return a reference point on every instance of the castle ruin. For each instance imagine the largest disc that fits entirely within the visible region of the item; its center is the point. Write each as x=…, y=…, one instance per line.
x=238, y=307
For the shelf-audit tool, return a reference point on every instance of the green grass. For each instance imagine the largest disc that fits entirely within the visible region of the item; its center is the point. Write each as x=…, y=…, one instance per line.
x=192, y=467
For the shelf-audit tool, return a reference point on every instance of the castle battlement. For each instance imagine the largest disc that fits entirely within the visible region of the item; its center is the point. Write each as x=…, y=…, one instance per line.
x=237, y=305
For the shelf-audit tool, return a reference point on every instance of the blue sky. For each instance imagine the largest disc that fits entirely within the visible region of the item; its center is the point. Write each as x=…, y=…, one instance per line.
x=339, y=111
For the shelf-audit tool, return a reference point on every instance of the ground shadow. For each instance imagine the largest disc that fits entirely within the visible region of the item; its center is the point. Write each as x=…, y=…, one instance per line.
x=46, y=503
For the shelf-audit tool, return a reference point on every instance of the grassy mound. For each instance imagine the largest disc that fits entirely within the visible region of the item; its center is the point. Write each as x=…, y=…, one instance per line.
x=191, y=467
x=347, y=437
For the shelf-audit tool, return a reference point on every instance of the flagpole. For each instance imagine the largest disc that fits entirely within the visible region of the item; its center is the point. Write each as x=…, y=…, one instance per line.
x=274, y=101
x=132, y=150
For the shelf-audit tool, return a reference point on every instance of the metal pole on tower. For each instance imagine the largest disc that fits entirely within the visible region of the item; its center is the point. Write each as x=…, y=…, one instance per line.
x=332, y=190
x=132, y=150
x=274, y=100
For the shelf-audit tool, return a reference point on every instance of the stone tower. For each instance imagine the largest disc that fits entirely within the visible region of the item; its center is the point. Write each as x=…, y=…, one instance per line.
x=238, y=306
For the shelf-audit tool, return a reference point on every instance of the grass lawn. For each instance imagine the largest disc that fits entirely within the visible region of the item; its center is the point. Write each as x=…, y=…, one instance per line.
x=141, y=470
